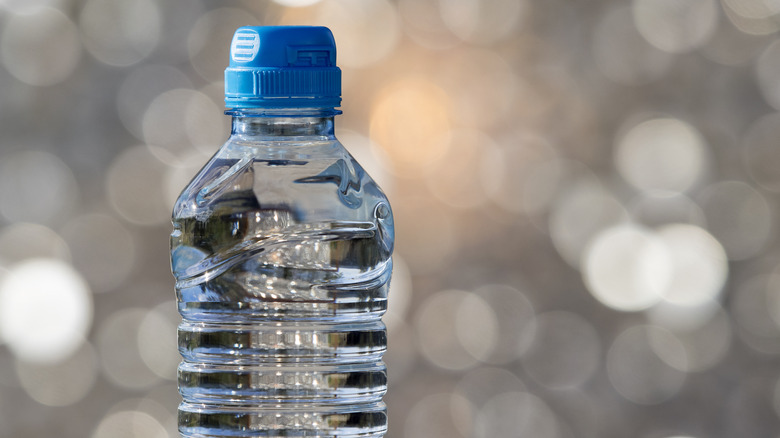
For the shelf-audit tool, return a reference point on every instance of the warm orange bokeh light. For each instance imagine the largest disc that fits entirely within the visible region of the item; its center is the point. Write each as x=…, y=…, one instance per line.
x=409, y=118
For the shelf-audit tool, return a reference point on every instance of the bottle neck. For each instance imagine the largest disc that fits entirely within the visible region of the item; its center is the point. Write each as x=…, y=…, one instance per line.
x=291, y=123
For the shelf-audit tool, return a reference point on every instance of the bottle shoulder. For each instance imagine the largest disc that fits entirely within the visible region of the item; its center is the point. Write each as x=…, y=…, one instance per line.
x=313, y=208
x=313, y=179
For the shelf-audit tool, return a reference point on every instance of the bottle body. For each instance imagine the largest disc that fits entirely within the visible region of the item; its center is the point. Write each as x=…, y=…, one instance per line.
x=281, y=251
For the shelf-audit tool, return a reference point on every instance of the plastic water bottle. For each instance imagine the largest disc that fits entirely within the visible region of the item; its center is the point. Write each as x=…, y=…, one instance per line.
x=281, y=250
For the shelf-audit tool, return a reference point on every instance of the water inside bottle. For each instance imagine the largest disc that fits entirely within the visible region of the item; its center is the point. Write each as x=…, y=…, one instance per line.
x=281, y=332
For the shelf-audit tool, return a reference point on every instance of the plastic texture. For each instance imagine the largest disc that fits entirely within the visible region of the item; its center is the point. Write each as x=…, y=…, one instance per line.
x=282, y=253
x=282, y=67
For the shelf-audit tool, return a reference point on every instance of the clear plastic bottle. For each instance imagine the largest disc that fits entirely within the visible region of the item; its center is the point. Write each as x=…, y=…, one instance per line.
x=281, y=250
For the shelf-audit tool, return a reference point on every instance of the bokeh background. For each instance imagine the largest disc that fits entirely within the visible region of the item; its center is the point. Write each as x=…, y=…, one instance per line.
x=585, y=194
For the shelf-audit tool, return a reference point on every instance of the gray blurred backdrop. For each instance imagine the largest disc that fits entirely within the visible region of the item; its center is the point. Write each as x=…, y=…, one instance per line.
x=585, y=192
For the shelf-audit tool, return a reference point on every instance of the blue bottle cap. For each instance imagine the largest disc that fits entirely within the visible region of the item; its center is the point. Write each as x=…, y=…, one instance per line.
x=282, y=67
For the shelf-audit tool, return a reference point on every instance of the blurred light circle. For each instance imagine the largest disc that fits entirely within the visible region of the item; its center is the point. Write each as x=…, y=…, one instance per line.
x=290, y=16
x=35, y=186
x=768, y=74
x=638, y=373
x=366, y=31
x=62, y=383
x=400, y=295
x=401, y=356
x=480, y=385
x=580, y=212
x=424, y=24
x=676, y=26
x=21, y=241
x=103, y=250
x=699, y=265
x=759, y=25
x=134, y=181
x=657, y=208
x=731, y=46
x=163, y=125
x=622, y=54
x=477, y=327
x=129, y=424
x=681, y=318
x=296, y=3
x=179, y=119
x=627, y=268
x=566, y=350
x=760, y=151
x=483, y=21
x=516, y=414
x=208, y=43
x=26, y=7
x=738, y=216
x=120, y=33
x=43, y=57
x=753, y=8
x=406, y=114
x=179, y=176
x=177, y=21
x=426, y=241
x=157, y=340
x=206, y=125
x=754, y=308
x=482, y=87
x=529, y=174
x=160, y=403
x=456, y=180
x=141, y=86
x=440, y=322
x=516, y=321
x=668, y=347
x=440, y=415
x=705, y=344
x=661, y=154
x=45, y=310
x=118, y=342
x=370, y=156
x=216, y=92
